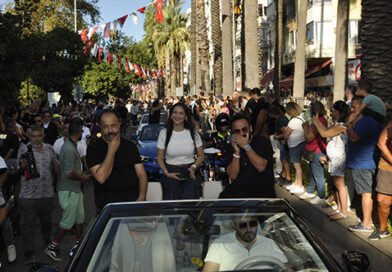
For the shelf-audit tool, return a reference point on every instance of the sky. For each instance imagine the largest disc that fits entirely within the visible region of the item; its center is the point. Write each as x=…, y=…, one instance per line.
x=114, y=9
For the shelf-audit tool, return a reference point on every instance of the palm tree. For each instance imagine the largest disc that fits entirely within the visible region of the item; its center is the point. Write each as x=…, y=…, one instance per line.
x=170, y=40
x=193, y=46
x=251, y=43
x=203, y=47
x=217, y=43
x=299, y=66
x=376, y=36
x=341, y=50
x=278, y=47
x=227, y=48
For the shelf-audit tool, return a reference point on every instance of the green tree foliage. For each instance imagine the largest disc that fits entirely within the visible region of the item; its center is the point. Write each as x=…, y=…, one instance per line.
x=102, y=80
x=58, y=60
x=11, y=58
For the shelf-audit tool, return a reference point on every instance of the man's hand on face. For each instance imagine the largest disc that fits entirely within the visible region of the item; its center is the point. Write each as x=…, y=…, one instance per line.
x=240, y=140
x=114, y=144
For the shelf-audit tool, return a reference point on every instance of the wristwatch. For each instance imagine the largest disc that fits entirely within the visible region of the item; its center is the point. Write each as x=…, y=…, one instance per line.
x=247, y=147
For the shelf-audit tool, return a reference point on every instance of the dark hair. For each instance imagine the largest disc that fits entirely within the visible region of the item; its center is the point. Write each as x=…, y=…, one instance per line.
x=317, y=107
x=255, y=91
x=276, y=109
x=74, y=126
x=352, y=88
x=239, y=116
x=46, y=111
x=343, y=110
x=188, y=123
x=109, y=111
x=357, y=98
x=365, y=85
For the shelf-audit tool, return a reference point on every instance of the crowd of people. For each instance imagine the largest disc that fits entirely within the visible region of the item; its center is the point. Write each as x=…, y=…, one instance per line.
x=48, y=153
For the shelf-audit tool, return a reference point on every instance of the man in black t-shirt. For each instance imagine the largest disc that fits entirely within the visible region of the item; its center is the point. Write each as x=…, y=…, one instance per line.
x=116, y=165
x=249, y=162
x=9, y=141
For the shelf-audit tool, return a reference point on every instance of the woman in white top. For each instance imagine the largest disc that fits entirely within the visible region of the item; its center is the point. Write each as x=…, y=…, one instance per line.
x=336, y=152
x=177, y=145
x=294, y=134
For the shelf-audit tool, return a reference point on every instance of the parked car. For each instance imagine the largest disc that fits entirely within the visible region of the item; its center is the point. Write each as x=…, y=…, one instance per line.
x=144, y=121
x=141, y=237
x=147, y=145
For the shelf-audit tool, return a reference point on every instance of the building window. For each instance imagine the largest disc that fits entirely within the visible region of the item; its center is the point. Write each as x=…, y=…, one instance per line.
x=353, y=32
x=310, y=33
x=324, y=32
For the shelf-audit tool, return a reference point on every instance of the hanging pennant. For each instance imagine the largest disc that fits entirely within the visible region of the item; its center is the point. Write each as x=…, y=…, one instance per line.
x=122, y=20
x=100, y=52
x=106, y=32
x=137, y=69
x=114, y=25
x=134, y=18
x=83, y=35
x=110, y=58
x=126, y=64
x=142, y=10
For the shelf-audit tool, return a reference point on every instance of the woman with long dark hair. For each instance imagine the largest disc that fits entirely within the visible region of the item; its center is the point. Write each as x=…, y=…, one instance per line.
x=336, y=153
x=177, y=145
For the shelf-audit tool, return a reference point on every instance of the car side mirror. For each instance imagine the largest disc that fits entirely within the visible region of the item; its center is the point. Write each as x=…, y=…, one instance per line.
x=356, y=261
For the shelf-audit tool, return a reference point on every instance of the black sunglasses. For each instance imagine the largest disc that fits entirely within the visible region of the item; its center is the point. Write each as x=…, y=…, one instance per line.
x=250, y=224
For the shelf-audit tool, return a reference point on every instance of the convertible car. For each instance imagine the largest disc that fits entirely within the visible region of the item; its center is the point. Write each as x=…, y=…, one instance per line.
x=144, y=237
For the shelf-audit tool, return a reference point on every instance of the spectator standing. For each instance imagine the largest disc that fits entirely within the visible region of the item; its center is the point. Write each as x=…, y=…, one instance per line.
x=115, y=164
x=295, y=137
x=249, y=162
x=70, y=194
x=371, y=105
x=155, y=112
x=134, y=112
x=315, y=148
x=177, y=145
x=363, y=132
x=36, y=194
x=50, y=128
x=336, y=153
x=384, y=183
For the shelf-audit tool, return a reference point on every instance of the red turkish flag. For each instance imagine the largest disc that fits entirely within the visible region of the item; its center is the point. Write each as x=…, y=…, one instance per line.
x=100, y=52
x=83, y=35
x=110, y=58
x=138, y=71
x=127, y=66
x=122, y=20
x=159, y=17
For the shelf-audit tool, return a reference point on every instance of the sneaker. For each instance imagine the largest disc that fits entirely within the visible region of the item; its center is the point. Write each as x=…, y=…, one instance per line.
x=360, y=228
x=53, y=252
x=307, y=195
x=316, y=201
x=297, y=190
x=377, y=235
x=11, y=253
x=290, y=186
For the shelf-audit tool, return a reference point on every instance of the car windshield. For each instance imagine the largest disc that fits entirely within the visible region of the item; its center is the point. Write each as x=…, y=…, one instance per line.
x=150, y=133
x=184, y=240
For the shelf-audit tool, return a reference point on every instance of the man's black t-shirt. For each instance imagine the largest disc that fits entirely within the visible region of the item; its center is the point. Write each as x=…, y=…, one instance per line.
x=250, y=182
x=51, y=133
x=122, y=184
x=8, y=140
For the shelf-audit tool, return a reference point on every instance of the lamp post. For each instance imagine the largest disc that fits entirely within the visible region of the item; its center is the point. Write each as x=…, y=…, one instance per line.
x=75, y=17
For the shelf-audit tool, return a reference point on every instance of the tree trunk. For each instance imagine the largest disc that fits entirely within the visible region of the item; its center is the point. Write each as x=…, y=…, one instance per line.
x=193, y=46
x=251, y=44
x=341, y=50
x=299, y=66
x=167, y=73
x=227, y=48
x=173, y=75
x=181, y=71
x=375, y=37
x=203, y=48
x=217, y=43
x=278, y=48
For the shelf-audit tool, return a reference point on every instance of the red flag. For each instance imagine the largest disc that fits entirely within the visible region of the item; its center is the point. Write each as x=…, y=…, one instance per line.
x=106, y=32
x=110, y=58
x=100, y=52
x=137, y=69
x=89, y=44
x=83, y=35
x=119, y=62
x=127, y=66
x=142, y=10
x=159, y=17
x=122, y=20
x=144, y=75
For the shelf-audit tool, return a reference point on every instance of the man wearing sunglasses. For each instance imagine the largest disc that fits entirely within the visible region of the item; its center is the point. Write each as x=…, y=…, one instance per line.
x=249, y=162
x=230, y=249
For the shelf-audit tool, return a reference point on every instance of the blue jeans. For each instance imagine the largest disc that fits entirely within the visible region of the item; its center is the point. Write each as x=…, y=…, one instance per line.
x=316, y=176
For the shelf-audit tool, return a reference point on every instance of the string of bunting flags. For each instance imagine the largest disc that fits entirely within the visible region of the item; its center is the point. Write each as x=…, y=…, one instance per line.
x=99, y=52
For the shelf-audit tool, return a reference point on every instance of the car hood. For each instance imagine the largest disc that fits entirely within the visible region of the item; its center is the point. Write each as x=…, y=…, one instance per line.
x=148, y=148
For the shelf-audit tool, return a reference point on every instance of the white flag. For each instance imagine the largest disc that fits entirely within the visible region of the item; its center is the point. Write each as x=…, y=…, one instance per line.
x=134, y=18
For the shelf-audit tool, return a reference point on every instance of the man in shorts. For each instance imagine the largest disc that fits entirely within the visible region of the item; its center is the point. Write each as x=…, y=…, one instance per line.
x=363, y=132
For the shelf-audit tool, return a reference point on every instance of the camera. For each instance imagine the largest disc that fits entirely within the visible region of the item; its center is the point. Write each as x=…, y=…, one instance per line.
x=30, y=171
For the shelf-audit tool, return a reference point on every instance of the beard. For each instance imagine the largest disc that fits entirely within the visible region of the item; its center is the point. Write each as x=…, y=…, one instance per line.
x=109, y=137
x=248, y=236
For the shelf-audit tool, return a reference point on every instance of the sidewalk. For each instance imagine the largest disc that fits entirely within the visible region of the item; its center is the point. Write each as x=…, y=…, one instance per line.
x=335, y=234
